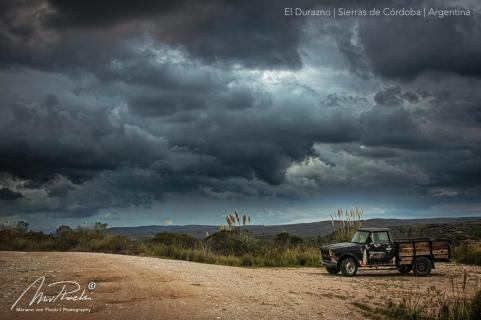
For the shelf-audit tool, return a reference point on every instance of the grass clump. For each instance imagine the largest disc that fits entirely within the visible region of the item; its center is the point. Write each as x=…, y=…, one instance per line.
x=463, y=303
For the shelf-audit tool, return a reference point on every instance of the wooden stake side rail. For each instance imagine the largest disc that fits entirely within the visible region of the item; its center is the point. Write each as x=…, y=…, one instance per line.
x=408, y=250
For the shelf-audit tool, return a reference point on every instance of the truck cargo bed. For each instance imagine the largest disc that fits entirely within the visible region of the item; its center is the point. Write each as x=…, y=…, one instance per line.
x=408, y=249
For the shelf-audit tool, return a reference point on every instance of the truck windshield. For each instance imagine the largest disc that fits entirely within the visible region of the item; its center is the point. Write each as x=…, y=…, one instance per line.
x=360, y=237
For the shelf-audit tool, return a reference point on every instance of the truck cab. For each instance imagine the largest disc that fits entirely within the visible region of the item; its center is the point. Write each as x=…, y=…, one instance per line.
x=379, y=245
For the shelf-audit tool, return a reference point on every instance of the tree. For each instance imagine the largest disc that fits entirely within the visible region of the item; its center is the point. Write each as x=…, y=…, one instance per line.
x=282, y=239
x=22, y=226
x=63, y=229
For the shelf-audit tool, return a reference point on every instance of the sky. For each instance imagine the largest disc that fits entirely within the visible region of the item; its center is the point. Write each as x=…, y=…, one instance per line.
x=179, y=112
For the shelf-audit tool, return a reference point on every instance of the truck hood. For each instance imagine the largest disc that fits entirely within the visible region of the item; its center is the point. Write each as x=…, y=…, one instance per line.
x=340, y=246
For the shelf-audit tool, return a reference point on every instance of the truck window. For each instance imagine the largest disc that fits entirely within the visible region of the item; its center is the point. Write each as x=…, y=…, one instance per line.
x=380, y=237
x=360, y=237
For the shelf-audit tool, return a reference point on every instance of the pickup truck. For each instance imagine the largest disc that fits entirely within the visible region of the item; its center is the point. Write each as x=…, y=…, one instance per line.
x=376, y=248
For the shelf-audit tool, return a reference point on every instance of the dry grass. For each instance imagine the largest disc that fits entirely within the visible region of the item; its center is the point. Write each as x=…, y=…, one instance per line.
x=463, y=302
x=346, y=222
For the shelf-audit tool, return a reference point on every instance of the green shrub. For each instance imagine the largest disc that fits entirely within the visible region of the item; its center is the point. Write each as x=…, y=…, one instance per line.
x=247, y=260
x=468, y=254
x=177, y=239
x=284, y=239
x=230, y=243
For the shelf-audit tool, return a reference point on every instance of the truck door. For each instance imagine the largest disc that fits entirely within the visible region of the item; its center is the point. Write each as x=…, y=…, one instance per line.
x=380, y=250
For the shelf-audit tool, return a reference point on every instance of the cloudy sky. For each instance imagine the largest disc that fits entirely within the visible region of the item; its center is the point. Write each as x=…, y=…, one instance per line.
x=177, y=112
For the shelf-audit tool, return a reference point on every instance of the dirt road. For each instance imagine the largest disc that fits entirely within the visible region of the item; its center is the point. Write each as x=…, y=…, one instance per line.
x=128, y=287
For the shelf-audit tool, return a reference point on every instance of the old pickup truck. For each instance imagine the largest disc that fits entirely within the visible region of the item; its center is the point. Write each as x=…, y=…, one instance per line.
x=376, y=248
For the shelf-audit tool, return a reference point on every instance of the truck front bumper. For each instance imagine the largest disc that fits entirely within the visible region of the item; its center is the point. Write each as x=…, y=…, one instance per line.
x=328, y=263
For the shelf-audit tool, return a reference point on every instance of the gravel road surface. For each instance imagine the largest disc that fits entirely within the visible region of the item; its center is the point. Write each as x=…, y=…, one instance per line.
x=131, y=287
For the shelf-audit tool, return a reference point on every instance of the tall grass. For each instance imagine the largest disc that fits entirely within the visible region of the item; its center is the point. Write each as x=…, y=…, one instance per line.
x=234, y=223
x=463, y=302
x=346, y=222
x=291, y=257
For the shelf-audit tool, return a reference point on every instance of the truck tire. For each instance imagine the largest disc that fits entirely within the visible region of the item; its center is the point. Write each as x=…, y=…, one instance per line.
x=405, y=269
x=422, y=267
x=348, y=267
x=332, y=270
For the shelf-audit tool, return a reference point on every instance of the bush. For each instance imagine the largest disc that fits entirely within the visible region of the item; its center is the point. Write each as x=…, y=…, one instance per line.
x=284, y=239
x=469, y=254
x=247, y=260
x=20, y=239
x=231, y=243
x=177, y=239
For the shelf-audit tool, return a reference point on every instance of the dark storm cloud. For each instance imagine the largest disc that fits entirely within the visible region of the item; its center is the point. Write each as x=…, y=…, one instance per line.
x=163, y=104
x=34, y=140
x=200, y=91
x=256, y=142
x=394, y=96
x=112, y=105
x=395, y=121
x=51, y=137
x=394, y=127
x=457, y=169
x=7, y=194
x=236, y=134
x=400, y=48
x=94, y=14
x=214, y=31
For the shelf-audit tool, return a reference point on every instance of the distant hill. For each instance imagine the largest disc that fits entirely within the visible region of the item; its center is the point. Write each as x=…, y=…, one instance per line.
x=304, y=230
x=465, y=231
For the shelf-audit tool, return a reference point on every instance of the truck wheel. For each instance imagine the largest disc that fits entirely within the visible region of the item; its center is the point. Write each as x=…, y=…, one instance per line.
x=332, y=270
x=422, y=267
x=348, y=267
x=405, y=269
